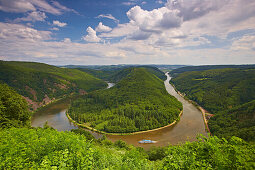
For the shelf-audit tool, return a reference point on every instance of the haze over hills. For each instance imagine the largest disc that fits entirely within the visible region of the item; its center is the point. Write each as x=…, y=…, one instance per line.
x=41, y=83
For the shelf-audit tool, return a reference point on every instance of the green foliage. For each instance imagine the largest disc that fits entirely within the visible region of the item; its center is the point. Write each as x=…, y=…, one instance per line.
x=49, y=149
x=211, y=153
x=156, y=153
x=36, y=80
x=85, y=133
x=220, y=90
x=238, y=121
x=13, y=109
x=137, y=102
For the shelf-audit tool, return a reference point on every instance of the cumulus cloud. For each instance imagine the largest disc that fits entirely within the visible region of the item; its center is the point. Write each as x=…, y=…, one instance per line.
x=59, y=24
x=33, y=16
x=91, y=36
x=109, y=16
x=102, y=28
x=139, y=35
x=120, y=31
x=20, y=6
x=155, y=20
x=190, y=9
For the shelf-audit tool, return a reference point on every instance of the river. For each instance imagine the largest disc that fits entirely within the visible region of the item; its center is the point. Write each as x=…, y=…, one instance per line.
x=190, y=125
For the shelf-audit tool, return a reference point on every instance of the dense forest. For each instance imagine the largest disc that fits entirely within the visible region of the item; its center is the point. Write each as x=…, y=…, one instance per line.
x=228, y=93
x=13, y=109
x=137, y=102
x=114, y=75
x=41, y=83
x=209, y=67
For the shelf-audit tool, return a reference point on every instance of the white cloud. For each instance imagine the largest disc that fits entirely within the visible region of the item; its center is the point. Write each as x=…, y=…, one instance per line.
x=109, y=16
x=33, y=16
x=67, y=40
x=246, y=42
x=18, y=32
x=144, y=2
x=102, y=28
x=59, y=24
x=165, y=35
x=120, y=30
x=128, y=3
x=55, y=29
x=63, y=8
x=91, y=36
x=16, y=6
x=155, y=20
x=20, y=6
x=159, y=2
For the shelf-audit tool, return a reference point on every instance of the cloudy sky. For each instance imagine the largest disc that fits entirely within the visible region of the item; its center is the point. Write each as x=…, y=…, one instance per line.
x=128, y=31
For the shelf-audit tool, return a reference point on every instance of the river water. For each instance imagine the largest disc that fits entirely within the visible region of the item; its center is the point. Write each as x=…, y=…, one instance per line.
x=190, y=125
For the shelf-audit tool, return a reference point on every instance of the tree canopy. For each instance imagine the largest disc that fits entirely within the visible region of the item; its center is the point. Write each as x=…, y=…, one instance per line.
x=13, y=108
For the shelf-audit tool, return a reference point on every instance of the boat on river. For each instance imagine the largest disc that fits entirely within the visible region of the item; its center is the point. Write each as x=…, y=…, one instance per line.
x=147, y=141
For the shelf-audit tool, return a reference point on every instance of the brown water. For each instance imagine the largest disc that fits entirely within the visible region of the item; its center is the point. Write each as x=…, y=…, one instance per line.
x=190, y=125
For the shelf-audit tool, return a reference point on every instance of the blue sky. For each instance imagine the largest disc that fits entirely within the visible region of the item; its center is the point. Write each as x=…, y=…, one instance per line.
x=88, y=32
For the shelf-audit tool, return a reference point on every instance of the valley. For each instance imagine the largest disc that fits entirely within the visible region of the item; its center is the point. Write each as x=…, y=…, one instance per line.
x=115, y=115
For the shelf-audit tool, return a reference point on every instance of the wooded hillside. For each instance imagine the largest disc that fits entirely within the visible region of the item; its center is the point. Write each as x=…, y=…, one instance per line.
x=139, y=101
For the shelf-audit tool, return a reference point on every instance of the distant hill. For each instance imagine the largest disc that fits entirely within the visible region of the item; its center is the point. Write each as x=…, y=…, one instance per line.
x=209, y=67
x=41, y=83
x=139, y=101
x=116, y=74
x=219, y=91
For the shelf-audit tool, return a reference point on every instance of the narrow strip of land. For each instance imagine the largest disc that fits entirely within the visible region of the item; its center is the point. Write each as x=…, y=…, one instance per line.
x=133, y=133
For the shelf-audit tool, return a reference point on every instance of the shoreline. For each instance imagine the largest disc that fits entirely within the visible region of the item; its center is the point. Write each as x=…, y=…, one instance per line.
x=122, y=134
x=200, y=108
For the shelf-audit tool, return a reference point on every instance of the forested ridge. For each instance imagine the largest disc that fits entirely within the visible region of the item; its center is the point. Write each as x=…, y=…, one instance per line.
x=228, y=93
x=116, y=74
x=139, y=101
x=41, y=83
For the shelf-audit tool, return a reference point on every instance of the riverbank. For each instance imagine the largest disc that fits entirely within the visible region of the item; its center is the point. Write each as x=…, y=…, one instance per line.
x=132, y=133
x=200, y=108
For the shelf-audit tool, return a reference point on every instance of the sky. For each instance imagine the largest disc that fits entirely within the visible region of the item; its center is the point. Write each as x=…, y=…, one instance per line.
x=104, y=32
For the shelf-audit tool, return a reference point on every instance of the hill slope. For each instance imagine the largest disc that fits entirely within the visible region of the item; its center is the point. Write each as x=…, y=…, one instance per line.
x=116, y=74
x=218, y=91
x=137, y=102
x=40, y=83
x=13, y=109
x=238, y=121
